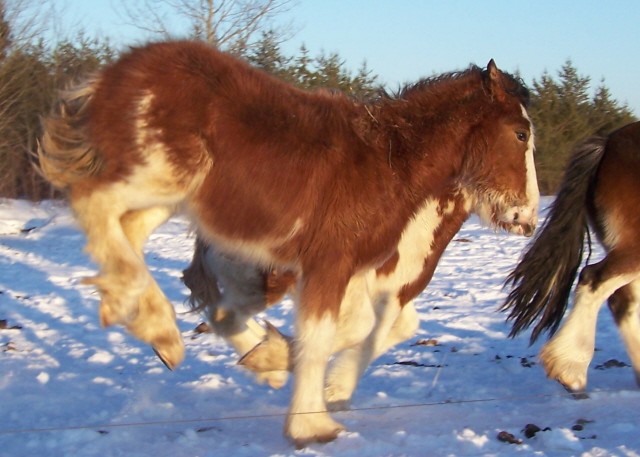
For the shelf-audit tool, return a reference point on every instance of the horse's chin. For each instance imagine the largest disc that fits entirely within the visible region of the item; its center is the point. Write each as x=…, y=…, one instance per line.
x=517, y=229
x=523, y=228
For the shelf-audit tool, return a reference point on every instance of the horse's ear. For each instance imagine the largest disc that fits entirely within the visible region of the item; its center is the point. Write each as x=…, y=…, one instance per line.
x=492, y=70
x=493, y=80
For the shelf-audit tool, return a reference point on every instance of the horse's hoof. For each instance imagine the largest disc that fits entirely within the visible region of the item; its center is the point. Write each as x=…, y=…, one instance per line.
x=573, y=383
x=273, y=353
x=570, y=372
x=162, y=359
x=306, y=429
x=170, y=355
x=576, y=394
x=301, y=443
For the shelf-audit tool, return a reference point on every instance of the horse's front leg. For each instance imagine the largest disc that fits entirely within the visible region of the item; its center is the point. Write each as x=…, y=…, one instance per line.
x=393, y=325
x=353, y=360
x=566, y=357
x=315, y=328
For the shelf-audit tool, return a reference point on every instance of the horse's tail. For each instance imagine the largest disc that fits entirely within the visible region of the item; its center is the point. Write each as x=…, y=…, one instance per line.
x=65, y=153
x=542, y=281
x=200, y=280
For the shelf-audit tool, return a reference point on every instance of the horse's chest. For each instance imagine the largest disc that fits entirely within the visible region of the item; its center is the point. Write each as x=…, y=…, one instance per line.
x=415, y=247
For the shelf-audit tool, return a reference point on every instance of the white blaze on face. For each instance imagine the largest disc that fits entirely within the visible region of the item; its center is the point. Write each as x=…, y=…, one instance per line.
x=533, y=193
x=516, y=219
x=522, y=219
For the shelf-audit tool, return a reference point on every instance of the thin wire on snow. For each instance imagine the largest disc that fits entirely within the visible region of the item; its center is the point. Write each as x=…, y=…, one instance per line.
x=203, y=420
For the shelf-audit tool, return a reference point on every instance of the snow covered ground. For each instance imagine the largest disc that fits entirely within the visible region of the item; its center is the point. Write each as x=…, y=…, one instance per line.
x=71, y=388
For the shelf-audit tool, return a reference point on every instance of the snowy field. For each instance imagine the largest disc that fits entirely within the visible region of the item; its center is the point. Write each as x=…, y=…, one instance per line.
x=71, y=388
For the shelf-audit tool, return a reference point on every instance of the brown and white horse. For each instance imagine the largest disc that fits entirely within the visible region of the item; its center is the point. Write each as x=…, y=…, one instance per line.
x=600, y=189
x=315, y=183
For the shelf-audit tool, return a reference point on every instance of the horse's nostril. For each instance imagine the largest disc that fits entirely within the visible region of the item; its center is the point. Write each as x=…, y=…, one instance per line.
x=516, y=216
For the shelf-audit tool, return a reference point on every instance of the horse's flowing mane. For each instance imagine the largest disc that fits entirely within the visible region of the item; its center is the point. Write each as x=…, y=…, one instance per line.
x=514, y=85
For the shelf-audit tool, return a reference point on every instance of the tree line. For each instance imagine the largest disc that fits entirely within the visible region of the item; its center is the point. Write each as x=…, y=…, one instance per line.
x=563, y=108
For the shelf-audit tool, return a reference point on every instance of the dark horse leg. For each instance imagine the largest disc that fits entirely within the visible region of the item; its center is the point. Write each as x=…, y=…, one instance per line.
x=624, y=305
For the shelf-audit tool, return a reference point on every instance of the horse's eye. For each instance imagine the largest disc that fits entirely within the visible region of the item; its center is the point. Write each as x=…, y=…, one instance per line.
x=522, y=136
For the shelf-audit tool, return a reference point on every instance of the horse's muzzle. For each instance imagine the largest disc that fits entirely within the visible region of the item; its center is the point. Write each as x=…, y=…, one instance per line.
x=520, y=220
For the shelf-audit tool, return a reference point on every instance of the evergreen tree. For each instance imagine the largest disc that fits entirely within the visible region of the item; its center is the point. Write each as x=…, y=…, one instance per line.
x=563, y=114
x=301, y=73
x=268, y=57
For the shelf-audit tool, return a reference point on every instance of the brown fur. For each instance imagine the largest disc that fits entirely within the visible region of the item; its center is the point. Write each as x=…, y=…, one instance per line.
x=315, y=183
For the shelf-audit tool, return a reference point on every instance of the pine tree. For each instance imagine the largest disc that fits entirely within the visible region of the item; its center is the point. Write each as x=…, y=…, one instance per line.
x=563, y=114
x=268, y=57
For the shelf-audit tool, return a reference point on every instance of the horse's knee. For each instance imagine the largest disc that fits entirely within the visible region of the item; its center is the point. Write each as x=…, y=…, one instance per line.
x=139, y=224
x=619, y=305
x=355, y=327
x=590, y=276
x=407, y=323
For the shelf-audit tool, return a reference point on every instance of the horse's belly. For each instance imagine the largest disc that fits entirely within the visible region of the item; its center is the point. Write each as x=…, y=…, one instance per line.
x=251, y=238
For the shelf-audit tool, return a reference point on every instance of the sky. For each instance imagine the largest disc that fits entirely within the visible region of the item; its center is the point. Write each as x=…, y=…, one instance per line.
x=404, y=40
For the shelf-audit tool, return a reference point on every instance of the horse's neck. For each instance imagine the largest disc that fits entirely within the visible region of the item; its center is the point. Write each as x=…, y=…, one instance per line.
x=426, y=147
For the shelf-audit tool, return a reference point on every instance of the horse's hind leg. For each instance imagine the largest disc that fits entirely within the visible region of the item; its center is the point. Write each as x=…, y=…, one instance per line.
x=123, y=275
x=130, y=296
x=567, y=355
x=155, y=321
x=624, y=305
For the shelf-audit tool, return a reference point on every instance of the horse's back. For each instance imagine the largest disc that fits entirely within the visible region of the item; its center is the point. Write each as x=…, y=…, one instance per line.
x=156, y=96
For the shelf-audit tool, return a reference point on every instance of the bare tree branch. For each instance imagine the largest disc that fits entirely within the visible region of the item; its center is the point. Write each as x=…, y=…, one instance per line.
x=228, y=24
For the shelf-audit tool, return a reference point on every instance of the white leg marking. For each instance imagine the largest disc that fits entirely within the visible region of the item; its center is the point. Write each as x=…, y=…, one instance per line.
x=123, y=275
x=405, y=326
x=393, y=326
x=308, y=421
x=567, y=355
